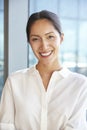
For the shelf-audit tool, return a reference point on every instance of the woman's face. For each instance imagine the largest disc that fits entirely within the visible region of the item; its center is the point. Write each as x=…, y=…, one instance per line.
x=45, y=41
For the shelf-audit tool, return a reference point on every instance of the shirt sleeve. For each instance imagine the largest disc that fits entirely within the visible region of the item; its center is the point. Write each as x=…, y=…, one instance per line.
x=7, y=110
x=78, y=118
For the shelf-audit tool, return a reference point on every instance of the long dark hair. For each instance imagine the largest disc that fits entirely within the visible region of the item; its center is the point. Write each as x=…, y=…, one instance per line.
x=44, y=14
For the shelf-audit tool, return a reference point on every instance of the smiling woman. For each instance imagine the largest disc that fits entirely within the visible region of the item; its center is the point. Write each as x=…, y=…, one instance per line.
x=46, y=96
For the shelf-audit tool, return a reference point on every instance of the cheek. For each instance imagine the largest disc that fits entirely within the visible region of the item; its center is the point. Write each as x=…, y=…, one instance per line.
x=34, y=47
x=57, y=43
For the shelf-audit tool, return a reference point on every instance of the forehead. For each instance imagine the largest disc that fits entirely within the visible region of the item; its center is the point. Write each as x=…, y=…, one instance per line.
x=42, y=25
x=43, y=20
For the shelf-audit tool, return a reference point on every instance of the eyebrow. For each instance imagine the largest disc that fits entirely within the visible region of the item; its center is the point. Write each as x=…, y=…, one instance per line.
x=49, y=33
x=34, y=35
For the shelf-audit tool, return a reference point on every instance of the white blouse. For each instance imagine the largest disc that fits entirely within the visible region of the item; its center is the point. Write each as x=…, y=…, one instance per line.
x=25, y=105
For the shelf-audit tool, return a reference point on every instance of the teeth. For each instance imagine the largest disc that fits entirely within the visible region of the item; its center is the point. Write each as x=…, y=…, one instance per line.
x=46, y=54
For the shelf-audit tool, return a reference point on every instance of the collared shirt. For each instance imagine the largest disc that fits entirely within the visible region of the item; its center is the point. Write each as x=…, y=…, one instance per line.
x=25, y=105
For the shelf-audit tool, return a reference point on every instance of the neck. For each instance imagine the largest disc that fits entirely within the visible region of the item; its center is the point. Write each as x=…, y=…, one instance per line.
x=48, y=69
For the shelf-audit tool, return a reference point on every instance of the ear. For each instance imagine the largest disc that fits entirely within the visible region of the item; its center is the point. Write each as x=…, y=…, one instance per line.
x=61, y=38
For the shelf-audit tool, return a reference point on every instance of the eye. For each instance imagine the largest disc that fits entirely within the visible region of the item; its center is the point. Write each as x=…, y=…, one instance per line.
x=35, y=39
x=50, y=37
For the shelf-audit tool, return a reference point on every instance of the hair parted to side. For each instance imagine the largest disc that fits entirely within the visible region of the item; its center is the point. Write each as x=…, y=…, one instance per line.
x=44, y=14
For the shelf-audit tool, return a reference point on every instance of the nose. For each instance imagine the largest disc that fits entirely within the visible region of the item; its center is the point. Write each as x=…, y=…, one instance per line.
x=44, y=44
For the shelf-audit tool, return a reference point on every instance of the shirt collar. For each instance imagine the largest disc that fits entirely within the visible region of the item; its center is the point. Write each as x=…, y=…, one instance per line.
x=64, y=72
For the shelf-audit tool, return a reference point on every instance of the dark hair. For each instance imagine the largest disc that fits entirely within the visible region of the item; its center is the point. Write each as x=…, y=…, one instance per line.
x=44, y=14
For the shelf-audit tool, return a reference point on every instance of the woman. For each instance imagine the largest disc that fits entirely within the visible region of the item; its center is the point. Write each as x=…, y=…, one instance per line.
x=45, y=96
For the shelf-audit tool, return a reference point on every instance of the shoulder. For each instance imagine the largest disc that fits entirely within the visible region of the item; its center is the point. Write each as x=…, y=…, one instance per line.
x=78, y=81
x=74, y=79
x=21, y=77
x=72, y=76
x=22, y=73
x=79, y=77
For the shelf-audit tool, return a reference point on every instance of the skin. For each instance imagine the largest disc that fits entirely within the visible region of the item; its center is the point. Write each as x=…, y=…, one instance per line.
x=45, y=42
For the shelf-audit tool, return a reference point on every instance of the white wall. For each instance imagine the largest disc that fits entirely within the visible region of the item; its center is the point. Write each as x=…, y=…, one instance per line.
x=17, y=41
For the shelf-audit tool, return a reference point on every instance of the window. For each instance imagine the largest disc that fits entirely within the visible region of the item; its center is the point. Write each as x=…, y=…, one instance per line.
x=74, y=23
x=1, y=44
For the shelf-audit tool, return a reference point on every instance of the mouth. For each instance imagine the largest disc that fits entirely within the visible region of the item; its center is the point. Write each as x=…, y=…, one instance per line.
x=46, y=54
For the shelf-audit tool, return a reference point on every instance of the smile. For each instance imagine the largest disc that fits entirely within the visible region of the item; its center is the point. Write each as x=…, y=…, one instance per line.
x=45, y=54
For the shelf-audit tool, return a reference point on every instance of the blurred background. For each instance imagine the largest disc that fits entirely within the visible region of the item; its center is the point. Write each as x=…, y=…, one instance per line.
x=15, y=53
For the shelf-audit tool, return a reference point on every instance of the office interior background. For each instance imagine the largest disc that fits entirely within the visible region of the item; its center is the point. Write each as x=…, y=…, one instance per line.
x=15, y=52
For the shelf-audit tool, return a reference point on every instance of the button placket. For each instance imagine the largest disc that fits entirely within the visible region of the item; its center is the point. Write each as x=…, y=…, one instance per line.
x=44, y=112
